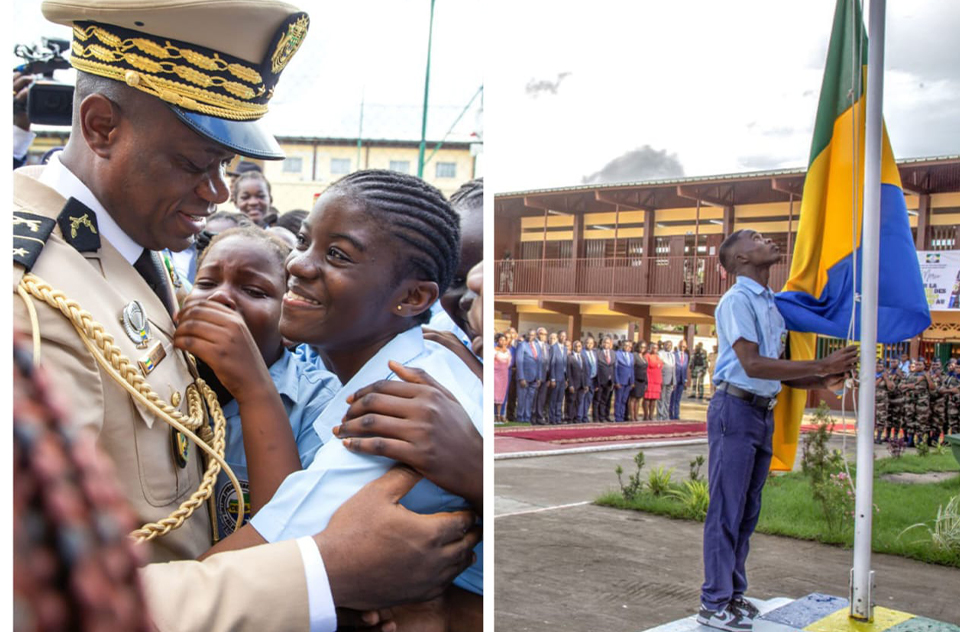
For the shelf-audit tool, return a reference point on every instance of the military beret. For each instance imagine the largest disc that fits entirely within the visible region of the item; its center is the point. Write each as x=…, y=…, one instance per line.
x=215, y=63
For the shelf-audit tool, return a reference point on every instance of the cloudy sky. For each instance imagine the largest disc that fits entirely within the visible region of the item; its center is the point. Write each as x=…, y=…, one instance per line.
x=634, y=90
x=374, y=50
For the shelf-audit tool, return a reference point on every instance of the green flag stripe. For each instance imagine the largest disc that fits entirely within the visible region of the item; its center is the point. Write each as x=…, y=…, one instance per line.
x=838, y=76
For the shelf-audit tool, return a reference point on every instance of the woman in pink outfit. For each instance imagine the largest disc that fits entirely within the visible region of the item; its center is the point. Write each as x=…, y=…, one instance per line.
x=654, y=382
x=501, y=375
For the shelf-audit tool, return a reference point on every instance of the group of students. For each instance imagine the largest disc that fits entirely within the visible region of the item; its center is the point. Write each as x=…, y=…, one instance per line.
x=917, y=400
x=547, y=379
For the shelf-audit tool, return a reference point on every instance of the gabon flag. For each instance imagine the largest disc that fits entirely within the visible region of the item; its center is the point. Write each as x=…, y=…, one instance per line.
x=818, y=298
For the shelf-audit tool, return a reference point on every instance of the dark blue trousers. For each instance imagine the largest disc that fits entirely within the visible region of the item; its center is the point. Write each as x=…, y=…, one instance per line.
x=525, y=397
x=587, y=404
x=555, y=402
x=675, y=400
x=740, y=437
x=620, y=401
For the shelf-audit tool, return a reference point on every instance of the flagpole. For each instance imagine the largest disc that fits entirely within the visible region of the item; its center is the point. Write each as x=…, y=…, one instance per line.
x=861, y=576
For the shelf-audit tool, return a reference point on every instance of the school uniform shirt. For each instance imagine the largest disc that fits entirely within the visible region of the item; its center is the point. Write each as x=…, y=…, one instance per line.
x=305, y=387
x=307, y=499
x=748, y=311
x=441, y=321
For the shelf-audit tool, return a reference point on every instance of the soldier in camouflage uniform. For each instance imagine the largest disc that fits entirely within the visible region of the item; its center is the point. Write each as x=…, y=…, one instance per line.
x=922, y=388
x=951, y=387
x=938, y=404
x=908, y=419
x=895, y=400
x=882, y=424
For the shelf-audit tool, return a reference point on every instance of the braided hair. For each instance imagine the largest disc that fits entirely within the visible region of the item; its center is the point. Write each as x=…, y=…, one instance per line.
x=415, y=212
x=279, y=248
x=469, y=194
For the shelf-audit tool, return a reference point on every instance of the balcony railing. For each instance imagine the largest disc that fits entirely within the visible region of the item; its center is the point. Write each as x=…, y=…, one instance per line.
x=653, y=277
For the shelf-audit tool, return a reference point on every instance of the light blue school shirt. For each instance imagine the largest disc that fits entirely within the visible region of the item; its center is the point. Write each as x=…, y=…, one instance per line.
x=441, y=321
x=307, y=499
x=747, y=310
x=305, y=387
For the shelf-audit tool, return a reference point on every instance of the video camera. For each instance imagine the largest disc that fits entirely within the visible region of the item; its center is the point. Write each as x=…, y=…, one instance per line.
x=48, y=102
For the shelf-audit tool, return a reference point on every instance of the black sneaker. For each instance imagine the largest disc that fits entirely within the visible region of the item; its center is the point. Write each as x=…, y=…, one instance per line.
x=747, y=610
x=726, y=618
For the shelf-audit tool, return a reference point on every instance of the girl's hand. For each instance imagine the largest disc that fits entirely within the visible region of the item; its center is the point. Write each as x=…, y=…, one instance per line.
x=417, y=422
x=217, y=335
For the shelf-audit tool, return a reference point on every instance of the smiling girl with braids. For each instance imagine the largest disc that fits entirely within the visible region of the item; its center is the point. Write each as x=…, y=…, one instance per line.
x=375, y=252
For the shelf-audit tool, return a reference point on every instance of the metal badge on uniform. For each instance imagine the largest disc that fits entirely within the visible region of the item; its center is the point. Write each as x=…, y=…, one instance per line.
x=78, y=226
x=152, y=358
x=135, y=323
x=181, y=448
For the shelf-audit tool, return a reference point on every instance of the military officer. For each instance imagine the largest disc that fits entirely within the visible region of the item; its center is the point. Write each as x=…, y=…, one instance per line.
x=167, y=94
x=884, y=386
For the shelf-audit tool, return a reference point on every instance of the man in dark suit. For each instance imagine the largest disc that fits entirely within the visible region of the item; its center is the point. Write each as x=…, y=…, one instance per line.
x=512, y=383
x=558, y=373
x=606, y=364
x=528, y=375
x=538, y=414
x=578, y=379
x=590, y=360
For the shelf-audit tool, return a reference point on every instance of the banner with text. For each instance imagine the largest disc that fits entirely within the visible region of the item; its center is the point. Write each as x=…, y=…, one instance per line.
x=940, y=270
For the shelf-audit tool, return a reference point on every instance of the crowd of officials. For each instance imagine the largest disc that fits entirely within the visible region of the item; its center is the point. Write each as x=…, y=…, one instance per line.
x=546, y=378
x=917, y=400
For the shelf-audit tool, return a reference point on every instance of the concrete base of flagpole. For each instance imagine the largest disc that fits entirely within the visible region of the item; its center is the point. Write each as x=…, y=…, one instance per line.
x=819, y=613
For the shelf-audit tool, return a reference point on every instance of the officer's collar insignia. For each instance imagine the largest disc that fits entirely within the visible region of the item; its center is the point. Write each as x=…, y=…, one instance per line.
x=135, y=324
x=289, y=42
x=30, y=234
x=78, y=225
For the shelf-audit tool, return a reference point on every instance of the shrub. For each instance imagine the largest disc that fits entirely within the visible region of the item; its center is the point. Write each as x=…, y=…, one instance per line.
x=694, y=495
x=695, y=466
x=922, y=448
x=659, y=480
x=635, y=483
x=945, y=532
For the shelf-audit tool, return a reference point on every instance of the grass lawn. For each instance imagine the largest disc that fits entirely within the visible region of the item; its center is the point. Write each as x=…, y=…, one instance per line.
x=790, y=510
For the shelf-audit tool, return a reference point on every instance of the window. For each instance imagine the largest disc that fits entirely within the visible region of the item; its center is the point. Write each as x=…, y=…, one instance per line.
x=339, y=166
x=293, y=164
x=446, y=170
x=403, y=166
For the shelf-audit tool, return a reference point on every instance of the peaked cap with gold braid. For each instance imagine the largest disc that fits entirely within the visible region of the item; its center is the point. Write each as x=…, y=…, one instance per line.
x=215, y=63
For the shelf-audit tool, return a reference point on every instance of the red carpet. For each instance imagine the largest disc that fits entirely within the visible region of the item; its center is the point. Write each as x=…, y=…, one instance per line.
x=588, y=433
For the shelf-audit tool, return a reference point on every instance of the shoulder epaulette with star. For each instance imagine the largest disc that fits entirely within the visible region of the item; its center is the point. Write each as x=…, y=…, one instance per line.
x=30, y=234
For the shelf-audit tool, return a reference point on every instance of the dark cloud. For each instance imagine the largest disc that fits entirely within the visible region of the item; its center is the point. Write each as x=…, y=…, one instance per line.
x=536, y=87
x=645, y=163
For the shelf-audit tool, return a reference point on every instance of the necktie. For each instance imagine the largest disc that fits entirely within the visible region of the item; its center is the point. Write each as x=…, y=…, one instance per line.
x=150, y=268
x=606, y=354
x=534, y=347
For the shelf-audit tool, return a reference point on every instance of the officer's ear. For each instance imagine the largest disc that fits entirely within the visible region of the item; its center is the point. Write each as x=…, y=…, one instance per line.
x=99, y=121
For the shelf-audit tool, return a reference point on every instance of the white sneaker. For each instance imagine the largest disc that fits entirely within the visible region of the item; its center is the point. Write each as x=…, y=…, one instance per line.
x=726, y=618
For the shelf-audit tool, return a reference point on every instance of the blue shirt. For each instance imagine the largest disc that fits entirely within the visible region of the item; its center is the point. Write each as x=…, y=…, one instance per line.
x=441, y=321
x=307, y=499
x=748, y=311
x=305, y=387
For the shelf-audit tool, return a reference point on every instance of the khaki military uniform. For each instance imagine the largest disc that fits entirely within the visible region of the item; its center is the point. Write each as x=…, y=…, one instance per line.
x=141, y=445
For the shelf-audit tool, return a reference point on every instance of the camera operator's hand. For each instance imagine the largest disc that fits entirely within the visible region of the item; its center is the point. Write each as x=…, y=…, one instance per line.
x=21, y=85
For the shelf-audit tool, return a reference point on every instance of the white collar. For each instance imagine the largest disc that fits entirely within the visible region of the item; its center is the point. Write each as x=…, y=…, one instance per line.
x=58, y=177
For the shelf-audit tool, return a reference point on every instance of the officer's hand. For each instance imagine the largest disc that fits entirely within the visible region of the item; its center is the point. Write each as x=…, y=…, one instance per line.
x=616, y=386
x=217, y=335
x=21, y=85
x=842, y=361
x=417, y=422
x=378, y=554
x=523, y=384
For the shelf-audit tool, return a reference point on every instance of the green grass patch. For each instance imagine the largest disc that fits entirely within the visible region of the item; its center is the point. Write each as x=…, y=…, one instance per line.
x=917, y=464
x=789, y=509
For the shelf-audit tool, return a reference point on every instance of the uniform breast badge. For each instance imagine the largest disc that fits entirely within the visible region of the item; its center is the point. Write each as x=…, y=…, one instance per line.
x=181, y=448
x=135, y=324
x=152, y=358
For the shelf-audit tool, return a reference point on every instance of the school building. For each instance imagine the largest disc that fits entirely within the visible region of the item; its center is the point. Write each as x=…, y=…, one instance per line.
x=313, y=163
x=640, y=259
